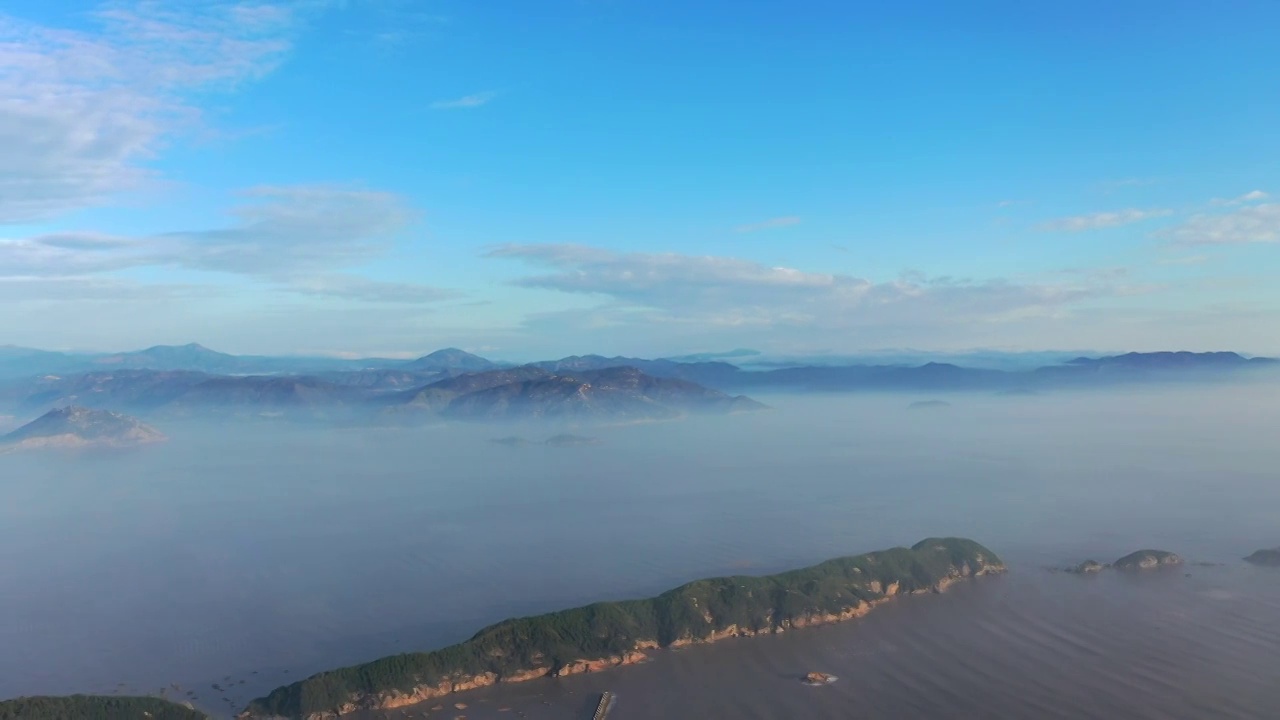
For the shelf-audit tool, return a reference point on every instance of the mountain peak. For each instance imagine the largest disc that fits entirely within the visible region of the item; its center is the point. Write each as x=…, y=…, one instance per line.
x=450, y=352
x=190, y=348
x=450, y=358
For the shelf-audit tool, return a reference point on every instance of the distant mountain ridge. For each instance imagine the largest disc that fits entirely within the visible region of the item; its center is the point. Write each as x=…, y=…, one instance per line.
x=192, y=356
x=448, y=384
x=616, y=393
x=1182, y=359
x=612, y=395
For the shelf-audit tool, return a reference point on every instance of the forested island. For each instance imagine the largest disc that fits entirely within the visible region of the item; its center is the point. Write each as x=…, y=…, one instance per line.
x=1147, y=559
x=96, y=707
x=609, y=634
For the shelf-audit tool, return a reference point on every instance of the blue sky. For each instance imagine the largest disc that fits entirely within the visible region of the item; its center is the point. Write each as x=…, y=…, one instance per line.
x=617, y=176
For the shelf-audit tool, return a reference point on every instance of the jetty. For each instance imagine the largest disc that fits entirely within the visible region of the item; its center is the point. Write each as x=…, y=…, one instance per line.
x=607, y=699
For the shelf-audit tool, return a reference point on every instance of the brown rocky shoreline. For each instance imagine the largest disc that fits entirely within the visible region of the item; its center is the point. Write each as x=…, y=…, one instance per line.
x=642, y=651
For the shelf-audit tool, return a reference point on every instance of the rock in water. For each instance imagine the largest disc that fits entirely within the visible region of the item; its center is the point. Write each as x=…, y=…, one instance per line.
x=1088, y=566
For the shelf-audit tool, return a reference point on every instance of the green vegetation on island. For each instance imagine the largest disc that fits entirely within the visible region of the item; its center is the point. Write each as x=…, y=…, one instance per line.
x=96, y=707
x=1146, y=559
x=613, y=633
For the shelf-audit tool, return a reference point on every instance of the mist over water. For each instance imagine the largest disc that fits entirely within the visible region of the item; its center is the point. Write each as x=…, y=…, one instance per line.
x=245, y=550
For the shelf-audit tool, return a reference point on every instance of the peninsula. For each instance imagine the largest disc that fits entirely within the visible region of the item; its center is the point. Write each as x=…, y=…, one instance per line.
x=609, y=634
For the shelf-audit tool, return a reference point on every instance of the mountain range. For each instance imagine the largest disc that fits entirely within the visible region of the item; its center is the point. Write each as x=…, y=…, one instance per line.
x=615, y=394
x=455, y=384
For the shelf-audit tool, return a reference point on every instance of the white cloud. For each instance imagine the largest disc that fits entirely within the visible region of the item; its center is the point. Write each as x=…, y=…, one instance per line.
x=81, y=112
x=1098, y=221
x=1247, y=224
x=280, y=231
x=769, y=224
x=1250, y=197
x=465, y=102
x=708, y=291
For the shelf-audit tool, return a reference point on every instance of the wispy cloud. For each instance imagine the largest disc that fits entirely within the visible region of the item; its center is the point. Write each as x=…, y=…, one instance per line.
x=82, y=111
x=466, y=102
x=289, y=237
x=771, y=223
x=1099, y=221
x=1252, y=196
x=1245, y=225
x=711, y=291
x=284, y=229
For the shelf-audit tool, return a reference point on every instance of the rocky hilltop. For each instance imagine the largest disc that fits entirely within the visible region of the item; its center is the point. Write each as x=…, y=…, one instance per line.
x=610, y=634
x=96, y=707
x=76, y=427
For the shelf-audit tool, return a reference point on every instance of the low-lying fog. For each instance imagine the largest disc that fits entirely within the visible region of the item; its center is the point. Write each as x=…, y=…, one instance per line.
x=268, y=547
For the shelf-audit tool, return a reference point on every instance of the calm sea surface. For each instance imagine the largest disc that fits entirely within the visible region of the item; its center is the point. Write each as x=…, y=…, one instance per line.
x=246, y=556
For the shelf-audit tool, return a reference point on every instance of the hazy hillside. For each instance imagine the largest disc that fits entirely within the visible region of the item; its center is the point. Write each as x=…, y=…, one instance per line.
x=75, y=427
